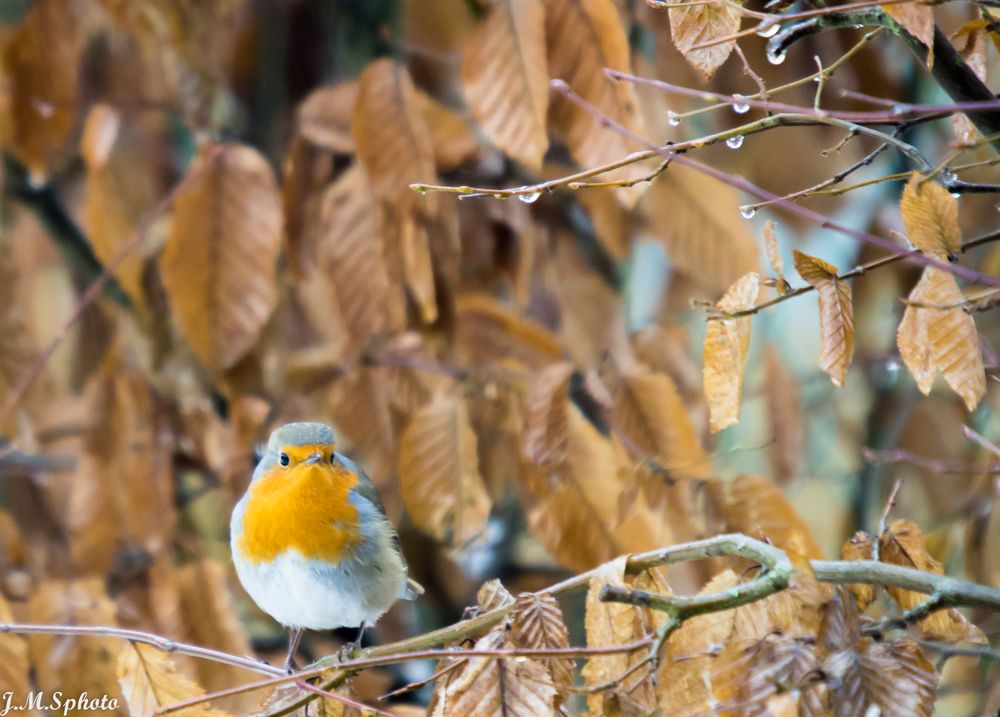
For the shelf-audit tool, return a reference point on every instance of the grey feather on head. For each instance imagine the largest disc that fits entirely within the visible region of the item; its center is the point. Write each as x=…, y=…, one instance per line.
x=300, y=434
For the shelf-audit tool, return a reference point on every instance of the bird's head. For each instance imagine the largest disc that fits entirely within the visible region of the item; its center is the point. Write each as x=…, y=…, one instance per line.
x=295, y=446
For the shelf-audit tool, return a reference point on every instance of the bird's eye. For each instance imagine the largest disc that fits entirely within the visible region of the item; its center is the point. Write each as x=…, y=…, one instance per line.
x=283, y=459
x=333, y=458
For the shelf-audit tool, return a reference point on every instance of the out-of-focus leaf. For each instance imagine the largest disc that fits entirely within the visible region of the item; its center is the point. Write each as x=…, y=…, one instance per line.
x=16, y=349
x=651, y=420
x=74, y=665
x=725, y=355
x=40, y=65
x=784, y=406
x=836, y=315
x=971, y=42
x=487, y=332
x=930, y=214
x=14, y=665
x=698, y=220
x=545, y=438
x=324, y=117
x=220, y=264
x=774, y=255
x=893, y=676
x=859, y=547
x=903, y=544
x=918, y=20
x=703, y=24
x=538, y=624
x=505, y=79
x=488, y=686
x=583, y=38
x=941, y=339
x=453, y=140
x=149, y=680
x=439, y=473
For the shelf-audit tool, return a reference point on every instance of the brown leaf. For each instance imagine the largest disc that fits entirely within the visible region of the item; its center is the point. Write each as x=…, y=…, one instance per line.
x=41, y=61
x=149, y=680
x=487, y=332
x=583, y=38
x=74, y=665
x=917, y=19
x=439, y=473
x=859, y=547
x=903, y=544
x=538, y=624
x=17, y=349
x=220, y=263
x=941, y=339
x=930, y=216
x=488, y=686
x=970, y=41
x=836, y=315
x=773, y=250
x=725, y=354
x=784, y=406
x=14, y=665
x=505, y=79
x=652, y=421
x=544, y=440
x=492, y=595
x=324, y=117
x=454, y=142
x=698, y=220
x=702, y=24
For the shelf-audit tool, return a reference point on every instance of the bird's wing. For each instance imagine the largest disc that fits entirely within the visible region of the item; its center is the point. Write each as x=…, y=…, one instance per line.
x=366, y=489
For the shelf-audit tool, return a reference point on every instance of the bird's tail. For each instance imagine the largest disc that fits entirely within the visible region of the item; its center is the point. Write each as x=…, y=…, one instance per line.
x=412, y=590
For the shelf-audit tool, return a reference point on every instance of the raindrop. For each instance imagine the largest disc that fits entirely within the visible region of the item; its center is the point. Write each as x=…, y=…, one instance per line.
x=740, y=105
x=672, y=119
x=768, y=27
x=775, y=56
x=529, y=198
x=735, y=142
x=948, y=176
x=747, y=212
x=997, y=207
x=956, y=195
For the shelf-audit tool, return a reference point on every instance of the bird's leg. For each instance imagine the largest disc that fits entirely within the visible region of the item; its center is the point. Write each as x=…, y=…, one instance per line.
x=294, y=637
x=350, y=647
x=361, y=633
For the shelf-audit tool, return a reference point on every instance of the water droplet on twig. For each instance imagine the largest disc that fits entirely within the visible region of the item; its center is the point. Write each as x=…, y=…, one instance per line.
x=740, y=105
x=747, y=212
x=735, y=142
x=529, y=198
x=672, y=119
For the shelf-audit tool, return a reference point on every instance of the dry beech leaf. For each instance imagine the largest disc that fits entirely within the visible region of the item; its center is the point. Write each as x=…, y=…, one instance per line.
x=701, y=24
x=784, y=405
x=651, y=420
x=439, y=473
x=583, y=38
x=572, y=508
x=945, y=340
x=74, y=665
x=917, y=19
x=903, y=544
x=17, y=349
x=970, y=41
x=492, y=595
x=892, y=676
x=324, y=117
x=487, y=332
x=836, y=315
x=14, y=665
x=773, y=250
x=41, y=61
x=539, y=624
x=725, y=354
x=698, y=220
x=454, y=141
x=220, y=263
x=489, y=686
x=930, y=216
x=859, y=547
x=149, y=680
x=505, y=79
x=544, y=440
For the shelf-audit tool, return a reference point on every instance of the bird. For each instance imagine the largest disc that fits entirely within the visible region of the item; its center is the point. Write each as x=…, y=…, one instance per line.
x=311, y=542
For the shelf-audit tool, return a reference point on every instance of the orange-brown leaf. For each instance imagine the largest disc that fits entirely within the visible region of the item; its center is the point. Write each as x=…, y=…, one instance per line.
x=453, y=140
x=544, y=440
x=859, y=547
x=324, y=117
x=930, y=216
x=704, y=24
x=487, y=332
x=149, y=680
x=220, y=262
x=941, y=339
x=725, y=354
x=439, y=473
x=836, y=315
x=506, y=79
x=917, y=19
x=538, y=624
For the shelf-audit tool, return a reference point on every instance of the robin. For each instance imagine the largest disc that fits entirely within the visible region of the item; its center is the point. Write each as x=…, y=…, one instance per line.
x=311, y=541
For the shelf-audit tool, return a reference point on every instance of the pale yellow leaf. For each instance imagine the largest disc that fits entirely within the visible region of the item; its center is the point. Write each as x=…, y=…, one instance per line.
x=149, y=680
x=725, y=354
x=836, y=315
x=941, y=339
x=505, y=79
x=220, y=263
x=703, y=24
x=439, y=473
x=930, y=216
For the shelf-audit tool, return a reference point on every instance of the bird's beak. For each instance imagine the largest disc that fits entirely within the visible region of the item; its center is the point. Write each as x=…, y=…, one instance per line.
x=314, y=458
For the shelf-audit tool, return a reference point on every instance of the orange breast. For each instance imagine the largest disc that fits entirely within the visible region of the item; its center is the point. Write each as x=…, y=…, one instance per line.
x=304, y=508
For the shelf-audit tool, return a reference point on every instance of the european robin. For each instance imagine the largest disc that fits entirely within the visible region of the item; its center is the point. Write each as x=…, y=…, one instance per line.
x=310, y=539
